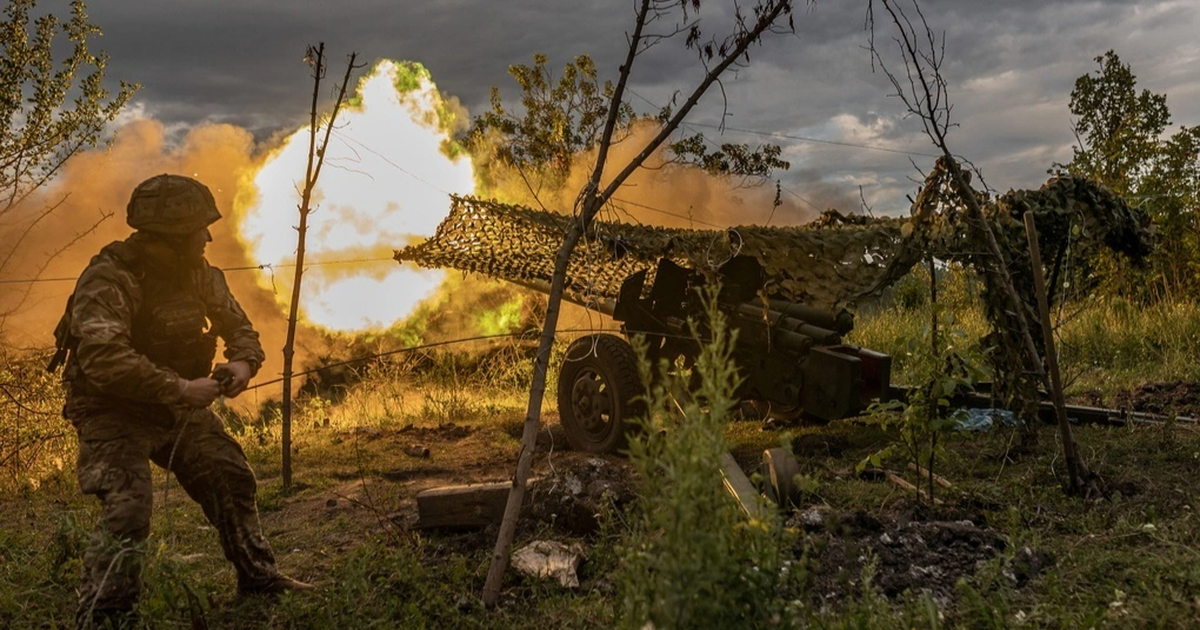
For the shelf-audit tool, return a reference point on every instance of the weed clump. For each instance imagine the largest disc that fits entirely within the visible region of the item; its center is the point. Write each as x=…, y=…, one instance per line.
x=692, y=559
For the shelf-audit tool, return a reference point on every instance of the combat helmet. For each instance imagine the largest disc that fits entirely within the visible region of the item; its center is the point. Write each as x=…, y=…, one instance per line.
x=171, y=204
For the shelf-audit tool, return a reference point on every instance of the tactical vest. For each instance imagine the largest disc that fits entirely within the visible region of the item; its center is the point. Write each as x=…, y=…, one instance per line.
x=171, y=328
x=171, y=325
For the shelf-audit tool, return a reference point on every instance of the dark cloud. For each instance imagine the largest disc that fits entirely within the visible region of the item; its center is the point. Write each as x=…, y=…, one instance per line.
x=1010, y=65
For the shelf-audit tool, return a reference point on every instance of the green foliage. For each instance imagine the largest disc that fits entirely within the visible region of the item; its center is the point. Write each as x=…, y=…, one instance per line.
x=1121, y=144
x=911, y=292
x=1106, y=344
x=557, y=120
x=35, y=443
x=560, y=119
x=693, y=560
x=409, y=76
x=1113, y=344
x=943, y=366
x=730, y=159
x=51, y=106
x=890, y=325
x=1118, y=128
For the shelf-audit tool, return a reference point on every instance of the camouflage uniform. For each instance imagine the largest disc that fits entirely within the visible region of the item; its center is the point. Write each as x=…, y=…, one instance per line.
x=124, y=399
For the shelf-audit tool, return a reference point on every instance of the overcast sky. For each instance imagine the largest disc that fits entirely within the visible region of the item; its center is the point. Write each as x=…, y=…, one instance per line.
x=1010, y=66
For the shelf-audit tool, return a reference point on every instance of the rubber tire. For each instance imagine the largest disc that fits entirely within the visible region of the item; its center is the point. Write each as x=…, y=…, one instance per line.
x=599, y=390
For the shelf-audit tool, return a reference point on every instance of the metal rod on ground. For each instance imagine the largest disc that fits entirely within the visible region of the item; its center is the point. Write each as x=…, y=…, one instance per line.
x=1056, y=392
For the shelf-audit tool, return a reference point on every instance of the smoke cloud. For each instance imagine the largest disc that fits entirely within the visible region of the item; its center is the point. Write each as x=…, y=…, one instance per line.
x=90, y=194
x=92, y=190
x=668, y=194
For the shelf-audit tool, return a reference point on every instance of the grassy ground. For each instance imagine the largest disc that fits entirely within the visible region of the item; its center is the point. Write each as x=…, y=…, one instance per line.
x=1130, y=561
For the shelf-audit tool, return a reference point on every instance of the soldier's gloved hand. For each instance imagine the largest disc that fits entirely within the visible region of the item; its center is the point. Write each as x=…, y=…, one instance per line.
x=241, y=377
x=199, y=392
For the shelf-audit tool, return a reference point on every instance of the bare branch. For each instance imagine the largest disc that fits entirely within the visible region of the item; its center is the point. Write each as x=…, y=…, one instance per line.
x=926, y=97
x=774, y=9
x=315, y=57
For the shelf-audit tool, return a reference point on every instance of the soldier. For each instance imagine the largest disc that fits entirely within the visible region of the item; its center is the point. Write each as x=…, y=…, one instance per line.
x=139, y=338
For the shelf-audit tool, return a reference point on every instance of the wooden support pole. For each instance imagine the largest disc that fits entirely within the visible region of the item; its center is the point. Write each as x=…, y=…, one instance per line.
x=925, y=474
x=1075, y=467
x=903, y=484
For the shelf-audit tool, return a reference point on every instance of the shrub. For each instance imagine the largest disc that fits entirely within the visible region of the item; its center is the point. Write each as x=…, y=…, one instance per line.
x=692, y=559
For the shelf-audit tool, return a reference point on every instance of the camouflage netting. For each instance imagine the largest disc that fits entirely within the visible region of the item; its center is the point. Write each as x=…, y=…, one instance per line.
x=831, y=263
x=828, y=263
x=1076, y=219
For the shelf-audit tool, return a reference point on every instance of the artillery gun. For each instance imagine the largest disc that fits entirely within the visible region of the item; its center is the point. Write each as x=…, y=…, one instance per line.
x=781, y=288
x=786, y=290
x=789, y=355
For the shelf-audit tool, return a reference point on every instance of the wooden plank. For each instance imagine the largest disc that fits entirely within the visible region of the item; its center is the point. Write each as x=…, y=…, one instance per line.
x=901, y=483
x=924, y=474
x=471, y=506
x=738, y=485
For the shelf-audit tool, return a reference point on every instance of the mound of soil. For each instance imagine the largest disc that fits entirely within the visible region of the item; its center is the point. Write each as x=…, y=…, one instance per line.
x=908, y=555
x=1178, y=398
x=578, y=487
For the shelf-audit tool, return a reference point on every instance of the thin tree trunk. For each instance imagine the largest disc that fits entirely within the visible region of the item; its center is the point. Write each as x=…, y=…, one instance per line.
x=933, y=340
x=591, y=200
x=591, y=204
x=316, y=159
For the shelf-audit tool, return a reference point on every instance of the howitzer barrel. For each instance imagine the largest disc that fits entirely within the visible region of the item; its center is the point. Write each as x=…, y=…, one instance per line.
x=782, y=323
x=841, y=323
x=792, y=340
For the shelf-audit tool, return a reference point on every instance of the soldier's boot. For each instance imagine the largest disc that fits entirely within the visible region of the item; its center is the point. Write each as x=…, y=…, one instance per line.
x=276, y=585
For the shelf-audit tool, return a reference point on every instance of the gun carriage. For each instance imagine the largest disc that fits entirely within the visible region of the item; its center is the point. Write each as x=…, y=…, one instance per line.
x=783, y=289
x=788, y=291
x=789, y=355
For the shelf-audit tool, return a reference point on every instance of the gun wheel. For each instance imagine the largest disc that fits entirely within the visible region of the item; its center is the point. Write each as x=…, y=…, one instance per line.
x=597, y=385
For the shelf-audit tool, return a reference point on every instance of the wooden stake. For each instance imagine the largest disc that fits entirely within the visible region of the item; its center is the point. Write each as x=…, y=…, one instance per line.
x=925, y=474
x=901, y=483
x=1075, y=467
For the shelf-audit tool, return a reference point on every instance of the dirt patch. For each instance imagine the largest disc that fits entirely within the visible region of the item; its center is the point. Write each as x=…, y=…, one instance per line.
x=1179, y=398
x=908, y=555
x=578, y=488
x=445, y=431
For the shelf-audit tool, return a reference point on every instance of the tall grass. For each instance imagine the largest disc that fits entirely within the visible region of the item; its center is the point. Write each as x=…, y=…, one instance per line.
x=1106, y=345
x=1113, y=344
x=35, y=441
x=904, y=313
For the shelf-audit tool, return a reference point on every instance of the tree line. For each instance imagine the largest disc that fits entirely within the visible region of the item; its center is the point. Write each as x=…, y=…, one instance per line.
x=1121, y=142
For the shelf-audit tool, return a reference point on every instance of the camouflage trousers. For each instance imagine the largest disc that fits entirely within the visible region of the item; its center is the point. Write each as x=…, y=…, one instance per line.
x=115, y=451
